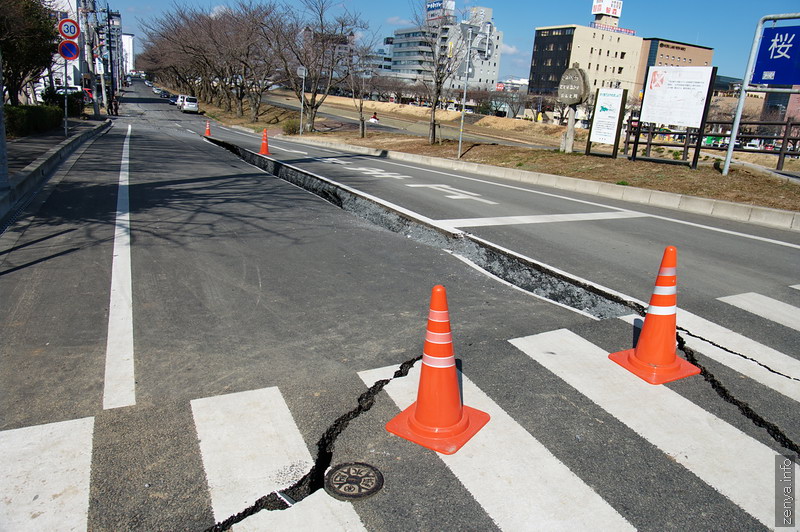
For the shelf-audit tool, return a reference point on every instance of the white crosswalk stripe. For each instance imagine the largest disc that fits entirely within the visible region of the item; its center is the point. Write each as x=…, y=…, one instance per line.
x=44, y=480
x=251, y=447
x=766, y=307
x=489, y=475
x=733, y=463
x=766, y=356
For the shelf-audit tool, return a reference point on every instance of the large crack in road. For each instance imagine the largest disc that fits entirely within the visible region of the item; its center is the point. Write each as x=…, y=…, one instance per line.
x=521, y=271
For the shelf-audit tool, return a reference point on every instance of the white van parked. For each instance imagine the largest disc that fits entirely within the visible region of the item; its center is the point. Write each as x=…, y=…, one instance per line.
x=190, y=105
x=181, y=99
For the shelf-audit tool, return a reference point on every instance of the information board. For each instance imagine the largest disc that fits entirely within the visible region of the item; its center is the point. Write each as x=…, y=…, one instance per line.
x=676, y=95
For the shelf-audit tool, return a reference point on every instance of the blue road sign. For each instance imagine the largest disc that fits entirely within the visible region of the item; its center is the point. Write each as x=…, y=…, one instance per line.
x=68, y=50
x=778, y=60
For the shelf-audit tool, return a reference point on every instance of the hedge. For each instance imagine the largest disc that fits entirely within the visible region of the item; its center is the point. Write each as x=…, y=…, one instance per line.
x=22, y=120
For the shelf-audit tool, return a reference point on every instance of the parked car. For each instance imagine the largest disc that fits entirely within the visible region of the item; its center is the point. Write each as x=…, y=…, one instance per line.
x=190, y=105
x=173, y=99
x=179, y=102
x=752, y=145
x=165, y=94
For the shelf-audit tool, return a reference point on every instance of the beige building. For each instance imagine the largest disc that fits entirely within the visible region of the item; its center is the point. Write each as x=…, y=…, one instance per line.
x=663, y=52
x=609, y=55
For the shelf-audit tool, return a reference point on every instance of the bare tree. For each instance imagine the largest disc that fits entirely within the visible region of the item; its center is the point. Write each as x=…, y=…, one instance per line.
x=319, y=38
x=445, y=54
x=360, y=67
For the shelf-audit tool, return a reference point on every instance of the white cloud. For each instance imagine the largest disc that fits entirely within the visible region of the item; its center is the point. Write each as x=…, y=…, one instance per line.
x=508, y=50
x=398, y=21
x=219, y=10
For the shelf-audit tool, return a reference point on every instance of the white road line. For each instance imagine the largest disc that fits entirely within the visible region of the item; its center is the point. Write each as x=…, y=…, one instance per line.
x=251, y=447
x=766, y=307
x=454, y=193
x=492, y=462
x=540, y=219
x=584, y=202
x=288, y=150
x=120, y=387
x=767, y=356
x=728, y=460
x=795, y=286
x=44, y=481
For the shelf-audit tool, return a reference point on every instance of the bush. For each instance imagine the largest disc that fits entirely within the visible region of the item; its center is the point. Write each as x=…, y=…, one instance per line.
x=22, y=120
x=291, y=127
x=74, y=101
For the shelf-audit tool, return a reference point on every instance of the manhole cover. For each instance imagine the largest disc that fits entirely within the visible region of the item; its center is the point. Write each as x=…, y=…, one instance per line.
x=353, y=481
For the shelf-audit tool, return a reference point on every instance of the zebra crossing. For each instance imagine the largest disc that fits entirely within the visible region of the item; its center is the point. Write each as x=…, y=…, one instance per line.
x=250, y=445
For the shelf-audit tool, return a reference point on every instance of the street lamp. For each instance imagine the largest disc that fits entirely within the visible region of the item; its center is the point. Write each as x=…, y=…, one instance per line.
x=468, y=28
x=301, y=71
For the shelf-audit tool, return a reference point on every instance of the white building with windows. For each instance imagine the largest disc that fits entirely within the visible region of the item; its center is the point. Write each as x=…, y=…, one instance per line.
x=412, y=56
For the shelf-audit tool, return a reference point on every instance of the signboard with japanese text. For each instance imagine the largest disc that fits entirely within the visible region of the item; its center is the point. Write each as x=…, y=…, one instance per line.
x=573, y=87
x=676, y=95
x=778, y=60
x=607, y=7
x=605, y=120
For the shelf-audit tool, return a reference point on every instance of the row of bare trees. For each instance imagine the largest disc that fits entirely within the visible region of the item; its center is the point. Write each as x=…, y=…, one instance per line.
x=232, y=54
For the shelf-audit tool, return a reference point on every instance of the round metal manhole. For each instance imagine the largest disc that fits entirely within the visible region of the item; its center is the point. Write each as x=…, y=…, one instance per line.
x=355, y=480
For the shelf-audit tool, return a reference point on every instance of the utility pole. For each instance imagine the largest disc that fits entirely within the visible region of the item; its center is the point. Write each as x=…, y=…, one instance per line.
x=90, y=36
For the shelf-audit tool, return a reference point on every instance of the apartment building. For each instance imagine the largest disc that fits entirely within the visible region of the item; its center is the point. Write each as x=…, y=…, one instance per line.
x=413, y=56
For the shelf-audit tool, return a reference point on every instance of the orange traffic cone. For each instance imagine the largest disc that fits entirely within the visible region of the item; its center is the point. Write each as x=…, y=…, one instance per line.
x=208, y=128
x=654, y=358
x=438, y=420
x=264, y=144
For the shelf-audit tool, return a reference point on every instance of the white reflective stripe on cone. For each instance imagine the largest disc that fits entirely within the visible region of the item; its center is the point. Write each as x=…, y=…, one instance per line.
x=438, y=362
x=439, y=338
x=662, y=311
x=439, y=315
x=665, y=290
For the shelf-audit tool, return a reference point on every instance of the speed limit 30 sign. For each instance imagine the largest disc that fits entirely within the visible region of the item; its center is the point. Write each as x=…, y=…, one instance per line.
x=69, y=29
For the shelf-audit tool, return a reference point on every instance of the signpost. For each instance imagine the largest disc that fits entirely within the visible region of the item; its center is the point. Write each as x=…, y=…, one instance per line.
x=778, y=63
x=778, y=60
x=69, y=29
x=69, y=50
x=301, y=71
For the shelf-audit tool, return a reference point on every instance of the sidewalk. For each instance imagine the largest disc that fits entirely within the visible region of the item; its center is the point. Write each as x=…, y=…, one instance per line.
x=31, y=159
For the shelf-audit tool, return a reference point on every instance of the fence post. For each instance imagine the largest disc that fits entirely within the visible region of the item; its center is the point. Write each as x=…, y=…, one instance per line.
x=785, y=142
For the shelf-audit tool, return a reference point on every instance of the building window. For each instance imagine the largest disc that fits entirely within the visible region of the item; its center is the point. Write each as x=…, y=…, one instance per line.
x=544, y=33
x=589, y=67
x=608, y=53
x=690, y=60
x=619, y=70
x=622, y=55
x=595, y=83
x=591, y=50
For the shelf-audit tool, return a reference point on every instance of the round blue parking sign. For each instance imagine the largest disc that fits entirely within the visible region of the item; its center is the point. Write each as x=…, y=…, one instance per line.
x=68, y=50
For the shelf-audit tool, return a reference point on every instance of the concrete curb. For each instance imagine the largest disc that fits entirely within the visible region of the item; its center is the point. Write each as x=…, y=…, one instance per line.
x=29, y=179
x=739, y=212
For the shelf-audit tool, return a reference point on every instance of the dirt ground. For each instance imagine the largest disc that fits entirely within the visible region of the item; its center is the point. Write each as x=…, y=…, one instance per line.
x=741, y=185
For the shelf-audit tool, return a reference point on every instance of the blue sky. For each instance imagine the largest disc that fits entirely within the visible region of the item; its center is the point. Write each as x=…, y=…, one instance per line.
x=728, y=26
